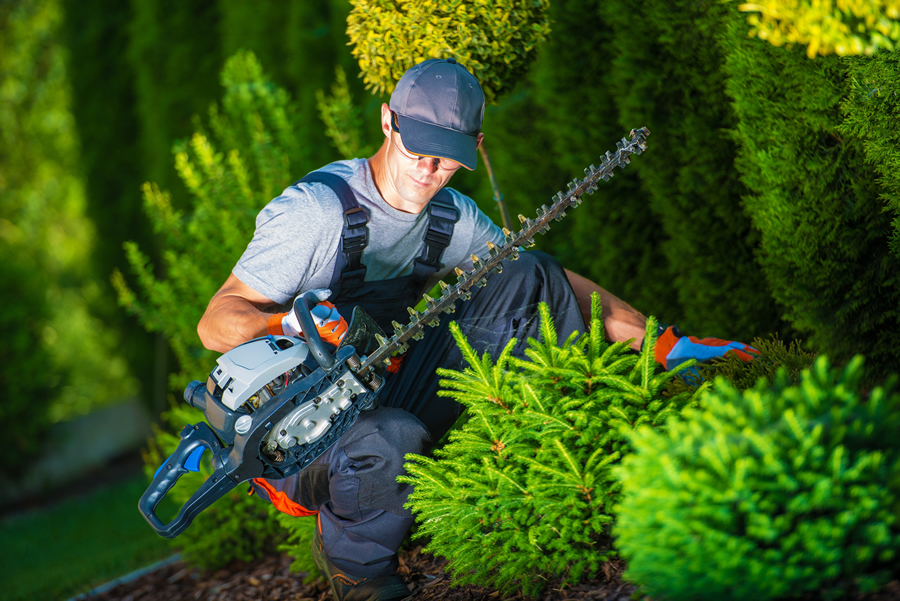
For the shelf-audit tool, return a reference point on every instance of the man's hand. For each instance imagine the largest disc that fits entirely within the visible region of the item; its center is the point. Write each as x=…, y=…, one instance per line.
x=674, y=348
x=329, y=322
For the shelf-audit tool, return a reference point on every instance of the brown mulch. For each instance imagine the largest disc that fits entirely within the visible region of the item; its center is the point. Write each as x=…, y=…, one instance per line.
x=270, y=578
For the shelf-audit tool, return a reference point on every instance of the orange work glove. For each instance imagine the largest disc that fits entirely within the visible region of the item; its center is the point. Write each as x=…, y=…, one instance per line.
x=329, y=323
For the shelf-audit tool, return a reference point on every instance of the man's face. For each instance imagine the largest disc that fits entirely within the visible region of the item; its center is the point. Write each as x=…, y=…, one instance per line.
x=416, y=179
x=409, y=181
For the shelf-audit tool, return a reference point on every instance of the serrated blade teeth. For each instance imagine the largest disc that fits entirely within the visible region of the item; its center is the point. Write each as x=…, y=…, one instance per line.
x=450, y=308
x=434, y=322
x=402, y=348
x=443, y=285
x=418, y=335
x=381, y=339
x=523, y=219
x=386, y=361
x=398, y=329
x=412, y=312
x=507, y=234
x=458, y=271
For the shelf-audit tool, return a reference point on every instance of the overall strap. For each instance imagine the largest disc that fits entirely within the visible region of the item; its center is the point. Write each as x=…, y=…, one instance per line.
x=442, y=215
x=355, y=234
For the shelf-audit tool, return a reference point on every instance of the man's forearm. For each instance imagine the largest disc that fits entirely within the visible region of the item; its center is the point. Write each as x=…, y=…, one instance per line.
x=230, y=321
x=621, y=321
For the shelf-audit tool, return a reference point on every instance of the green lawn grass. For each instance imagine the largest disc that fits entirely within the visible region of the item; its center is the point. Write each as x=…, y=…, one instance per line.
x=80, y=543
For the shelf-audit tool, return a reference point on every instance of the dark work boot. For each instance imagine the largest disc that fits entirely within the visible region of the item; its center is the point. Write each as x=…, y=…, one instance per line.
x=345, y=587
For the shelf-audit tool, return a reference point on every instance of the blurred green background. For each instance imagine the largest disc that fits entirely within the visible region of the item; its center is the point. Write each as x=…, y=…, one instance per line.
x=766, y=203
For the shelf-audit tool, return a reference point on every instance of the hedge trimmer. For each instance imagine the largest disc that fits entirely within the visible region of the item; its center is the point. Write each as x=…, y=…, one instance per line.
x=274, y=404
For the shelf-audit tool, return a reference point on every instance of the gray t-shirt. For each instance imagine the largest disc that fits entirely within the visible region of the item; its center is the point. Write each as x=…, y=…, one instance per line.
x=298, y=234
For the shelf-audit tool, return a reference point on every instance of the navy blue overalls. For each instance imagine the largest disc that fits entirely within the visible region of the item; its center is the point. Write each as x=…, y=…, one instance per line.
x=353, y=485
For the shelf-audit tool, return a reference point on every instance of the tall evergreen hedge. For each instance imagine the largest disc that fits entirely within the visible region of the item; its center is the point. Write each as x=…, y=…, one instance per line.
x=668, y=73
x=616, y=237
x=871, y=107
x=814, y=198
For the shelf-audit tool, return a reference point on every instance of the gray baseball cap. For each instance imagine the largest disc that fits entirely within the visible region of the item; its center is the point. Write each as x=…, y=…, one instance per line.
x=439, y=107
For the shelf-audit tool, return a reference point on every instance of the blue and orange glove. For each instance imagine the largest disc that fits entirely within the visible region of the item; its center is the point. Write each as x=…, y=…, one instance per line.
x=674, y=348
x=330, y=324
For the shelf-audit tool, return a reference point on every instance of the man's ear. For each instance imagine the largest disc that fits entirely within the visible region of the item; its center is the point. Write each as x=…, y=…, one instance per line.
x=479, y=139
x=386, y=120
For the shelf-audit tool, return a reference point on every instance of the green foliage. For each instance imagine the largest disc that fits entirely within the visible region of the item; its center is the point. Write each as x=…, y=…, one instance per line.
x=45, y=236
x=172, y=82
x=523, y=493
x=343, y=119
x=871, y=108
x=776, y=491
x=615, y=238
x=845, y=27
x=300, y=534
x=814, y=200
x=773, y=357
x=493, y=40
x=24, y=364
x=95, y=37
x=667, y=75
x=231, y=173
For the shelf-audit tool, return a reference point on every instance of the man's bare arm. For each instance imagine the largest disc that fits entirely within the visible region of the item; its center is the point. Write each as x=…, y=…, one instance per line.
x=234, y=315
x=621, y=320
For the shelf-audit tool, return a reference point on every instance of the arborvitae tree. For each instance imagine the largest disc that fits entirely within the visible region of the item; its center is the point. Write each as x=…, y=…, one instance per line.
x=777, y=491
x=231, y=172
x=46, y=237
x=814, y=199
x=667, y=74
x=871, y=107
x=95, y=34
x=522, y=494
x=300, y=43
x=616, y=239
x=172, y=81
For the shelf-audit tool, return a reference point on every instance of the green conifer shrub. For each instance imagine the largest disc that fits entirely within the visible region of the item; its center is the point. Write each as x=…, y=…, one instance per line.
x=616, y=240
x=494, y=40
x=522, y=494
x=667, y=74
x=231, y=172
x=871, y=107
x=776, y=491
x=814, y=199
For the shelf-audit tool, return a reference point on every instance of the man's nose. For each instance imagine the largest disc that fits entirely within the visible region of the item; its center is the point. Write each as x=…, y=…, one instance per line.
x=427, y=165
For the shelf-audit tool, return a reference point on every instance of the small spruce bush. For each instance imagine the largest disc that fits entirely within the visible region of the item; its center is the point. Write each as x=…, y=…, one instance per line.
x=775, y=491
x=522, y=494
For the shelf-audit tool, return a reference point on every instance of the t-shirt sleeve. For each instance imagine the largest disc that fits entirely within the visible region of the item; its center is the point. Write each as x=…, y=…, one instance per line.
x=295, y=239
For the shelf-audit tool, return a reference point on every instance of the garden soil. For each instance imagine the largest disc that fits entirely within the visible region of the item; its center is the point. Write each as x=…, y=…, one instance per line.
x=270, y=578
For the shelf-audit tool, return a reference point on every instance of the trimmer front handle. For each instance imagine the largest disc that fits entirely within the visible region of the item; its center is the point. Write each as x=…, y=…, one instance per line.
x=194, y=441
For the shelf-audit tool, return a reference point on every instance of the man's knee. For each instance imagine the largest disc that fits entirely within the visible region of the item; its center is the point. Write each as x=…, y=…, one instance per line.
x=377, y=454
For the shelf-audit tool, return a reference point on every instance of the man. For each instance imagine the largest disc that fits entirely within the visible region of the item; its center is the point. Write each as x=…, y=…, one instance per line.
x=378, y=233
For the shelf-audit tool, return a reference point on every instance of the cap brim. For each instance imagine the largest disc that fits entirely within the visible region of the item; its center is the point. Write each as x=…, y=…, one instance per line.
x=425, y=139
